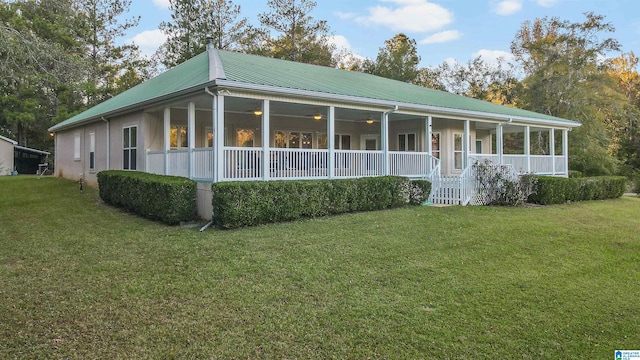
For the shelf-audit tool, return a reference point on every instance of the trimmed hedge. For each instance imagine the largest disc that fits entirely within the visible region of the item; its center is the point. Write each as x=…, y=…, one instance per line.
x=238, y=204
x=557, y=190
x=170, y=199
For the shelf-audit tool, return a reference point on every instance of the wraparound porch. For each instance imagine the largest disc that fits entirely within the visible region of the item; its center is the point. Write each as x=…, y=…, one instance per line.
x=245, y=164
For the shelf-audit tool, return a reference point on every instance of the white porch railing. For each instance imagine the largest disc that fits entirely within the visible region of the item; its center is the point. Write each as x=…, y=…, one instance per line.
x=203, y=163
x=358, y=163
x=539, y=164
x=298, y=163
x=155, y=162
x=244, y=163
x=411, y=164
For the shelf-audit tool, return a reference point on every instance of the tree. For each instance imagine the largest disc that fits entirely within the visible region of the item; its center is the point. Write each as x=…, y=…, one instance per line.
x=430, y=78
x=481, y=80
x=192, y=22
x=623, y=70
x=101, y=25
x=565, y=78
x=38, y=56
x=56, y=58
x=398, y=60
x=300, y=37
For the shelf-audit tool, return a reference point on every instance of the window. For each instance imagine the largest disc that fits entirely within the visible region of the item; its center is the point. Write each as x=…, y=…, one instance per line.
x=406, y=142
x=92, y=151
x=435, y=145
x=129, y=147
x=178, y=137
x=478, y=146
x=457, y=151
x=342, y=142
x=323, y=142
x=293, y=139
x=209, y=138
x=244, y=138
x=76, y=147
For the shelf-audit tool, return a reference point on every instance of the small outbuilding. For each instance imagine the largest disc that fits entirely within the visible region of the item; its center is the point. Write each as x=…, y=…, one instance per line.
x=20, y=159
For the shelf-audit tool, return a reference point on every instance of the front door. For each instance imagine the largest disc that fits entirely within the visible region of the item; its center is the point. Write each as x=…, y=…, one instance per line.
x=372, y=162
x=369, y=142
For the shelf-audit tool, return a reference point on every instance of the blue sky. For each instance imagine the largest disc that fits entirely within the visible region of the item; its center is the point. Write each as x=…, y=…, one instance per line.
x=443, y=29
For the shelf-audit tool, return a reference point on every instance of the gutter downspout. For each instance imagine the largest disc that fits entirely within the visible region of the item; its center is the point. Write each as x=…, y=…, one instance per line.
x=108, y=165
x=385, y=139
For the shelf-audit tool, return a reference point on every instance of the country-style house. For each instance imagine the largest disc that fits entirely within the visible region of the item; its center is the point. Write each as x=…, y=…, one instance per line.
x=226, y=116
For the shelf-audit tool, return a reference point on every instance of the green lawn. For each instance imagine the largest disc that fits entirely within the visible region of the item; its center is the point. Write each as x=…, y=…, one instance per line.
x=79, y=279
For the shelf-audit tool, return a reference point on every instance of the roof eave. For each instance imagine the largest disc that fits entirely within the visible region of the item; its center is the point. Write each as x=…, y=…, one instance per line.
x=32, y=150
x=12, y=142
x=131, y=108
x=427, y=109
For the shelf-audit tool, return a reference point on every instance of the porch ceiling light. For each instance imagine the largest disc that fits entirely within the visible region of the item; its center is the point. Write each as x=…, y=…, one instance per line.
x=257, y=112
x=317, y=116
x=369, y=121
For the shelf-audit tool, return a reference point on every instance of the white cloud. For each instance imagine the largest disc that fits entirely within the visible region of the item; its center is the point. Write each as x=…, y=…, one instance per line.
x=546, y=3
x=408, y=15
x=343, y=47
x=340, y=42
x=345, y=15
x=508, y=7
x=149, y=41
x=441, y=37
x=492, y=56
x=163, y=4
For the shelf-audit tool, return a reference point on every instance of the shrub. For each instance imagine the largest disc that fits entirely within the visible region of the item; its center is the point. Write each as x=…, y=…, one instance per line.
x=557, y=190
x=501, y=185
x=575, y=174
x=635, y=179
x=170, y=199
x=237, y=204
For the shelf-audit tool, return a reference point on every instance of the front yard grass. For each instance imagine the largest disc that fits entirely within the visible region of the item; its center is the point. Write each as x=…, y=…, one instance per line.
x=79, y=279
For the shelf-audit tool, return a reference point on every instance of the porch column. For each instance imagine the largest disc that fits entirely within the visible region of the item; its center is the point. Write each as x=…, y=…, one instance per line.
x=499, y=148
x=565, y=150
x=191, y=137
x=218, y=137
x=266, y=158
x=465, y=144
x=167, y=138
x=427, y=142
x=552, y=150
x=385, y=142
x=527, y=146
x=331, y=130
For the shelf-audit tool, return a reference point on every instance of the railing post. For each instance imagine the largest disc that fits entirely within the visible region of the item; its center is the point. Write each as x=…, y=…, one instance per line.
x=465, y=144
x=266, y=129
x=385, y=143
x=552, y=150
x=499, y=145
x=427, y=142
x=331, y=130
x=218, y=136
x=565, y=150
x=191, y=126
x=167, y=138
x=527, y=146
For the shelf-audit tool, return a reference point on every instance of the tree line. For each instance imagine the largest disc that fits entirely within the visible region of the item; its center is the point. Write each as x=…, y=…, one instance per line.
x=59, y=57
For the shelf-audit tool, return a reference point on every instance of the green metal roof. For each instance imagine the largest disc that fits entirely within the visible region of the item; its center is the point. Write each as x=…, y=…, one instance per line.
x=252, y=70
x=190, y=74
x=286, y=74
